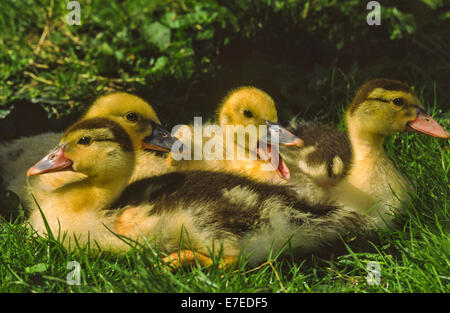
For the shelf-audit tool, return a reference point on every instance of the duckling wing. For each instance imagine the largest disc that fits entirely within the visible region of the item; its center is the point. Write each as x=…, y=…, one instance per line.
x=326, y=154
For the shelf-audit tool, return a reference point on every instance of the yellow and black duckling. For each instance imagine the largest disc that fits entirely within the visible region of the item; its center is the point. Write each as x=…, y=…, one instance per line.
x=370, y=184
x=241, y=108
x=132, y=112
x=197, y=214
x=188, y=215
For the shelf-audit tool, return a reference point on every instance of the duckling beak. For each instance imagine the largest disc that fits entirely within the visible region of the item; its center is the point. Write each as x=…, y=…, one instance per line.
x=160, y=139
x=427, y=125
x=52, y=162
x=285, y=137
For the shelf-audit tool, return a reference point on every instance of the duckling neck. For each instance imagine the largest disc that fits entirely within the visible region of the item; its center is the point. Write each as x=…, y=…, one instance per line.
x=76, y=208
x=370, y=163
x=373, y=185
x=80, y=196
x=367, y=147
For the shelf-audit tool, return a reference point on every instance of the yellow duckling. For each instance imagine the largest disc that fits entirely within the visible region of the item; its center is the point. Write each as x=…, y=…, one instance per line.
x=91, y=156
x=373, y=185
x=93, y=162
x=132, y=112
x=240, y=110
x=138, y=118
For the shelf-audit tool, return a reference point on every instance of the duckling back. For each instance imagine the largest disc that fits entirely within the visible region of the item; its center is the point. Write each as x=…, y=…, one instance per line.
x=326, y=154
x=19, y=155
x=213, y=210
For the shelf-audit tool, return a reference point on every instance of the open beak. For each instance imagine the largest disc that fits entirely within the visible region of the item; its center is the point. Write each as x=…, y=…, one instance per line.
x=159, y=140
x=53, y=162
x=268, y=153
x=267, y=149
x=427, y=125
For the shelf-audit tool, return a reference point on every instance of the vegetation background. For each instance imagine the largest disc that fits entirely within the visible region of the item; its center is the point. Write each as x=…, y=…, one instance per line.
x=183, y=56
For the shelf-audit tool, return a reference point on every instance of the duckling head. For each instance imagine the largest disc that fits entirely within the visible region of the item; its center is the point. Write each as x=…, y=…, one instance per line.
x=247, y=106
x=250, y=106
x=97, y=149
x=384, y=107
x=136, y=116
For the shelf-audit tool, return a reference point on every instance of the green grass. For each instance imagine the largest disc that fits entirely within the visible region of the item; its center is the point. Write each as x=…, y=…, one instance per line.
x=309, y=55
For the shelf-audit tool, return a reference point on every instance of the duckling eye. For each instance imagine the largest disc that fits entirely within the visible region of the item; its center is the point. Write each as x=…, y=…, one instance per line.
x=248, y=113
x=132, y=117
x=398, y=101
x=85, y=141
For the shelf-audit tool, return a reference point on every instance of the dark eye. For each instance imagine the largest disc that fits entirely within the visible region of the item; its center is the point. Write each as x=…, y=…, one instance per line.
x=248, y=113
x=85, y=141
x=132, y=117
x=398, y=101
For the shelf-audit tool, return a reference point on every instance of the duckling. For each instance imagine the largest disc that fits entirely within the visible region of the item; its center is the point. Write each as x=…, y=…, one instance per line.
x=242, y=108
x=132, y=112
x=85, y=184
x=193, y=215
x=208, y=210
x=373, y=185
x=93, y=162
x=325, y=157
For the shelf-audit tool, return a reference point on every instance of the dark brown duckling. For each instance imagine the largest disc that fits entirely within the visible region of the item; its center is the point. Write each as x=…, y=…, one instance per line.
x=326, y=154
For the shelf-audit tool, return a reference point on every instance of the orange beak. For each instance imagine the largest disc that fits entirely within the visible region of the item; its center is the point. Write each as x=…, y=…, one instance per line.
x=53, y=162
x=427, y=125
